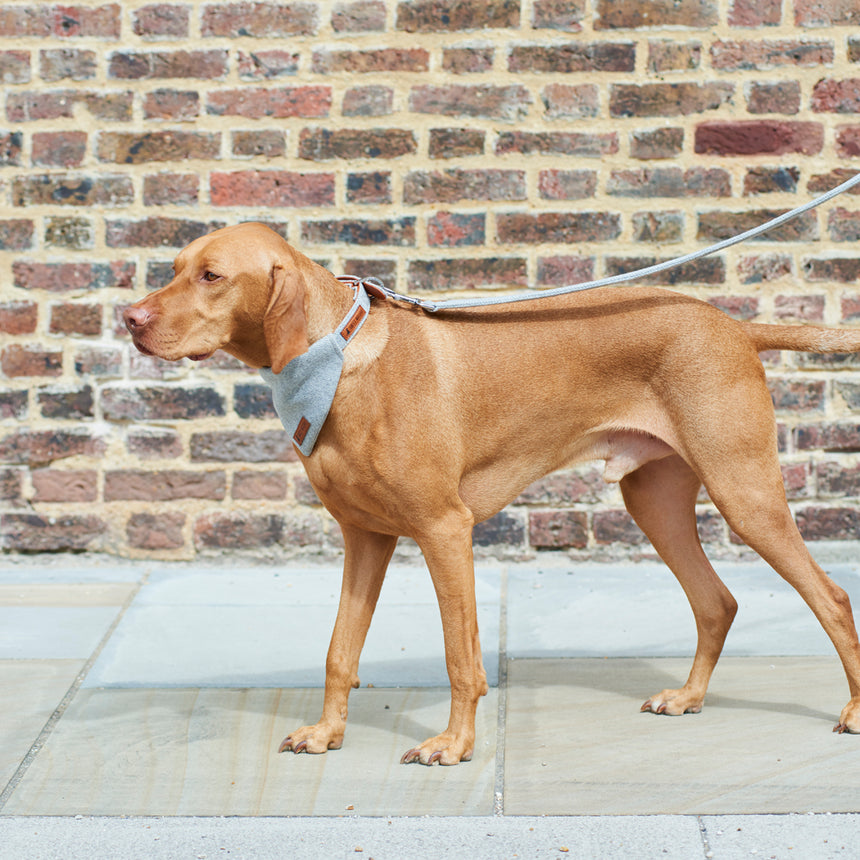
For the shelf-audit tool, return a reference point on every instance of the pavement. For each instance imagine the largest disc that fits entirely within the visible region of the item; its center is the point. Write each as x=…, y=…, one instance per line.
x=143, y=704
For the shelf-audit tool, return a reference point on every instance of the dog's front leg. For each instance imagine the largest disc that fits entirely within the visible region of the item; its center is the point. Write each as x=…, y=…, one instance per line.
x=366, y=559
x=449, y=557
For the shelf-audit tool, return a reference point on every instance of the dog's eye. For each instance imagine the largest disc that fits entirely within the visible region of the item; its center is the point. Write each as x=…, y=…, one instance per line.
x=210, y=276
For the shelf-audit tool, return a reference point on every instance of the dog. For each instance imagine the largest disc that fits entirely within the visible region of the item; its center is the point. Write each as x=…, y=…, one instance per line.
x=440, y=420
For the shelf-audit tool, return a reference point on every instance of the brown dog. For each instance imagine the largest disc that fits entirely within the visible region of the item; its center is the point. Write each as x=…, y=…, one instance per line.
x=440, y=420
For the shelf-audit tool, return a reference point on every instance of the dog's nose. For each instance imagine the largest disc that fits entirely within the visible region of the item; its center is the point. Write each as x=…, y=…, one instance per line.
x=135, y=318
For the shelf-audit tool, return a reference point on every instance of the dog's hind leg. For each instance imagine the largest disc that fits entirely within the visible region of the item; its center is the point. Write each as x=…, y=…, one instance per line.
x=366, y=559
x=661, y=498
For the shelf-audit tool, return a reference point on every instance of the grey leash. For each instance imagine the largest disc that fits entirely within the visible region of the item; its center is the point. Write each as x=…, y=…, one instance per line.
x=375, y=288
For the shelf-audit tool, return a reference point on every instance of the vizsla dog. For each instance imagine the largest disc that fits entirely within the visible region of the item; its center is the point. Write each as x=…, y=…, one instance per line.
x=440, y=420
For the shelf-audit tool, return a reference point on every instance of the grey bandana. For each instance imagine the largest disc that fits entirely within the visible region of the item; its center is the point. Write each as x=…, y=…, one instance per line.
x=304, y=390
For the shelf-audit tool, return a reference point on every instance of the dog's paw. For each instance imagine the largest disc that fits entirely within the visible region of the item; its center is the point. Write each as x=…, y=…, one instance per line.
x=849, y=719
x=443, y=749
x=673, y=703
x=312, y=739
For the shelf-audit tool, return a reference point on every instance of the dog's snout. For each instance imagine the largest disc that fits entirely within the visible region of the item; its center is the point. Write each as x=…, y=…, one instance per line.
x=135, y=318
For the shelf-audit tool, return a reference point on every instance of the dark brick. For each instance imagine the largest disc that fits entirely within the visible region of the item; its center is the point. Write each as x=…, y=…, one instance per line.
x=306, y=102
x=67, y=485
x=266, y=143
x=16, y=234
x=835, y=480
x=682, y=99
x=161, y=20
x=156, y=232
x=153, y=65
x=456, y=142
x=13, y=404
x=450, y=186
x=557, y=143
x=154, y=444
x=259, y=485
x=505, y=528
x=435, y=16
x=238, y=530
x=566, y=488
x=835, y=437
x=850, y=393
x=573, y=57
x=161, y=486
x=11, y=486
x=467, y=61
x=385, y=270
x=155, y=531
x=99, y=362
x=670, y=182
x=658, y=227
x=11, y=144
x=617, y=527
x=67, y=64
x=561, y=227
x=36, y=448
x=714, y=226
x=361, y=16
x=160, y=403
x=18, y=317
x=828, y=523
x=565, y=101
x=227, y=446
x=781, y=97
x=176, y=105
x=368, y=101
x=766, y=54
x=326, y=62
x=853, y=49
x=737, y=307
x=483, y=101
x=322, y=144
x=698, y=14
x=171, y=189
x=253, y=400
x=761, y=268
x=261, y=20
x=567, y=184
x=755, y=13
x=61, y=277
x=73, y=232
x=278, y=188
x=843, y=225
x=267, y=65
x=820, y=182
x=558, y=271
x=129, y=148
x=565, y=15
x=370, y=188
x=794, y=395
x=771, y=180
x=61, y=104
x=708, y=270
x=843, y=270
x=67, y=190
x=15, y=67
x=76, y=319
x=30, y=360
x=35, y=533
x=467, y=273
x=396, y=231
x=455, y=229
x=558, y=529
x=665, y=56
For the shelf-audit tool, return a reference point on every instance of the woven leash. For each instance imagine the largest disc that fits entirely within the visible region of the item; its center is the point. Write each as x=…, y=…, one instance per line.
x=375, y=287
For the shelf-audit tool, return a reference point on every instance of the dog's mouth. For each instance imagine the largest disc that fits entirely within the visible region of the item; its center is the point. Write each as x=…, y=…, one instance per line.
x=201, y=356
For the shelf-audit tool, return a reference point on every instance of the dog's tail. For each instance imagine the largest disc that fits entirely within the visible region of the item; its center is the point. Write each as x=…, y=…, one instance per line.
x=802, y=338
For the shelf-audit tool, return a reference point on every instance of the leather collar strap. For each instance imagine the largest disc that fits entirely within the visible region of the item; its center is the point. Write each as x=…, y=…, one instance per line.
x=303, y=391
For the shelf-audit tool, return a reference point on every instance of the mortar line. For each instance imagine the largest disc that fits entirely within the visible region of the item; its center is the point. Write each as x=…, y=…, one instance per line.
x=60, y=710
x=502, y=711
x=707, y=852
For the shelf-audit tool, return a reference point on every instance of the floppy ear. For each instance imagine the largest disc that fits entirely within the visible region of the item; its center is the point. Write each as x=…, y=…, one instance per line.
x=285, y=325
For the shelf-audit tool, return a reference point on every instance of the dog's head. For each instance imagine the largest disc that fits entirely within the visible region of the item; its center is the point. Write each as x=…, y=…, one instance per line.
x=239, y=289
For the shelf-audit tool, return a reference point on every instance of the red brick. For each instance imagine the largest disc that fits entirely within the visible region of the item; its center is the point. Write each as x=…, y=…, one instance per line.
x=682, y=99
x=820, y=182
x=156, y=232
x=558, y=271
x=171, y=189
x=76, y=319
x=825, y=13
x=836, y=96
x=395, y=231
x=482, y=101
x=131, y=148
x=69, y=190
x=60, y=21
x=326, y=62
x=279, y=188
x=324, y=144
x=761, y=268
x=567, y=184
x=617, y=526
x=152, y=65
x=15, y=67
x=98, y=361
x=267, y=65
x=771, y=180
x=565, y=15
x=18, y=317
x=758, y=137
x=843, y=270
x=361, y=16
x=573, y=57
x=67, y=64
x=737, y=307
x=698, y=14
x=450, y=186
x=161, y=486
x=254, y=103
x=566, y=488
x=561, y=227
x=565, y=101
x=714, y=226
x=368, y=101
x=455, y=229
x=558, y=529
x=262, y=20
x=468, y=61
x=227, y=446
x=837, y=480
x=755, y=13
x=369, y=188
x=434, y=16
x=16, y=234
x=828, y=523
x=61, y=277
x=782, y=97
x=843, y=225
x=29, y=360
x=60, y=104
x=71, y=485
x=160, y=403
x=848, y=141
x=44, y=446
x=731, y=56
x=795, y=395
x=35, y=533
x=582, y=145
x=160, y=20
x=154, y=444
x=176, y=105
x=238, y=530
x=801, y=308
x=259, y=485
x=456, y=142
x=467, y=273
x=155, y=531
x=828, y=437
x=14, y=404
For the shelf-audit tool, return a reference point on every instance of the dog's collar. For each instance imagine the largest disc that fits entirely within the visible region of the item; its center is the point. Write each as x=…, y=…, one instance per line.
x=303, y=391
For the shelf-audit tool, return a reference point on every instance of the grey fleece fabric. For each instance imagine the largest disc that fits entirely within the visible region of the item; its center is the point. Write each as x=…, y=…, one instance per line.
x=304, y=390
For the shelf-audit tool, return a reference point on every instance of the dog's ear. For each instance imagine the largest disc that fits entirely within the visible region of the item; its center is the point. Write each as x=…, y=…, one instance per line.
x=285, y=325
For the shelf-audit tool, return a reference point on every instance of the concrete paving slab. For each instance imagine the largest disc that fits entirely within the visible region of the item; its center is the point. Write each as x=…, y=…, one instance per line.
x=623, y=610
x=264, y=628
x=51, y=632
x=577, y=744
x=214, y=752
x=32, y=690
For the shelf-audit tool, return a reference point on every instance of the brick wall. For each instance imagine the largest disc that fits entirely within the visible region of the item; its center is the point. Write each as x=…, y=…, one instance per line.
x=440, y=144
